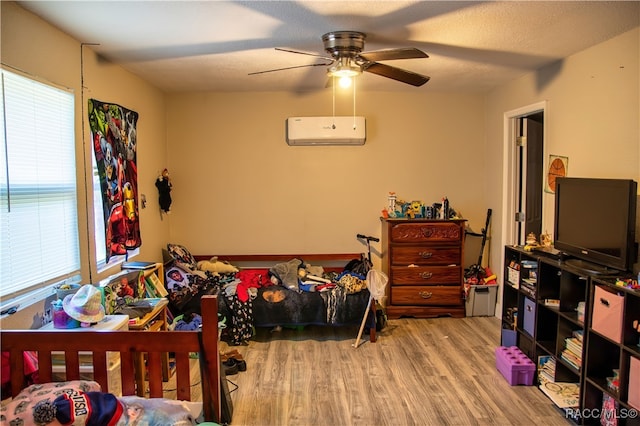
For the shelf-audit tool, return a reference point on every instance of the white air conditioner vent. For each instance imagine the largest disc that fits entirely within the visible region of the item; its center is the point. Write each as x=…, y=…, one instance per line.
x=326, y=130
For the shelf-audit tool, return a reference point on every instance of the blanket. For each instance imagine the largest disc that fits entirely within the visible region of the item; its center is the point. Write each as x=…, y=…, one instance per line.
x=82, y=402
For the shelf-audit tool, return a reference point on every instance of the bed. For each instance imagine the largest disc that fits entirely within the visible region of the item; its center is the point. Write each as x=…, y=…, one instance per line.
x=271, y=304
x=130, y=345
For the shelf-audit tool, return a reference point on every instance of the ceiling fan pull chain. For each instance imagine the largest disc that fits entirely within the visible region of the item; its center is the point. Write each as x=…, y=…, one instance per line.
x=333, y=88
x=354, y=102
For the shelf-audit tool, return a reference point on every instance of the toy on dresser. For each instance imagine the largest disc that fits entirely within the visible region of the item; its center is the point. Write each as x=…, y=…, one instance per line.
x=417, y=209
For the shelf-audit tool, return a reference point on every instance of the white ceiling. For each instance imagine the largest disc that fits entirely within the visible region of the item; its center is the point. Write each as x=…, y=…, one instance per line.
x=214, y=45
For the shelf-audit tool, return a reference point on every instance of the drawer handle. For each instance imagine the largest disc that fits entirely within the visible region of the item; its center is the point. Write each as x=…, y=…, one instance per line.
x=426, y=275
x=426, y=254
x=425, y=294
x=604, y=302
x=427, y=232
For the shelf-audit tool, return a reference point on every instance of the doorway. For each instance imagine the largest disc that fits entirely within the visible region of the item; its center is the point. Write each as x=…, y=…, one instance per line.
x=524, y=151
x=530, y=153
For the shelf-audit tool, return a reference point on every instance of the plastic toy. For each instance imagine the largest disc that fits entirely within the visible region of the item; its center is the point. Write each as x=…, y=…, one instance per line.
x=531, y=242
x=415, y=209
x=392, y=202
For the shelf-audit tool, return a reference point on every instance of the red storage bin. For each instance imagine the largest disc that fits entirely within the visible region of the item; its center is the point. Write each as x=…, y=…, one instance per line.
x=607, y=314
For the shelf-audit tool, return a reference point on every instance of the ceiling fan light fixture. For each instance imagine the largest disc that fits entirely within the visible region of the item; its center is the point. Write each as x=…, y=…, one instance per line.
x=344, y=82
x=344, y=68
x=347, y=59
x=345, y=72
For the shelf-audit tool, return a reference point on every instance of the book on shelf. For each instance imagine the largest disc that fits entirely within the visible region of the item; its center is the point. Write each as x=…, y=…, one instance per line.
x=138, y=265
x=546, y=368
x=610, y=409
x=563, y=394
x=158, y=287
x=574, y=346
x=529, y=289
x=578, y=334
x=151, y=293
x=570, y=358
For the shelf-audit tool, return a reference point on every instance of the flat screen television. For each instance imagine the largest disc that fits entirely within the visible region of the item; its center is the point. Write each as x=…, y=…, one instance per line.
x=595, y=222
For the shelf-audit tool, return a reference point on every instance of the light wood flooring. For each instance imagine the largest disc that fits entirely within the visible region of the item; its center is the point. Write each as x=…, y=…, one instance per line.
x=420, y=372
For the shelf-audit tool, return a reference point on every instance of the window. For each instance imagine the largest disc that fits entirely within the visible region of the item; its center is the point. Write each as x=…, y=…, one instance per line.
x=38, y=199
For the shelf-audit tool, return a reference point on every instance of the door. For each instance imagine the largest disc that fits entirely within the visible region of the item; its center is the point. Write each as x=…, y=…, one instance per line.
x=533, y=179
x=528, y=176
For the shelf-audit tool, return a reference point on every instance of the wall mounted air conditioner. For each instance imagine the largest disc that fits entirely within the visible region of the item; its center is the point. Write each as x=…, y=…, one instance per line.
x=326, y=130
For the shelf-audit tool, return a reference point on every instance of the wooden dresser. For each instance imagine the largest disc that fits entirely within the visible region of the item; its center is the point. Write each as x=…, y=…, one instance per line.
x=423, y=259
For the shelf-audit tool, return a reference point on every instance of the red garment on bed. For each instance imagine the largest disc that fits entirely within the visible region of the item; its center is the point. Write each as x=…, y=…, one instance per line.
x=249, y=278
x=30, y=366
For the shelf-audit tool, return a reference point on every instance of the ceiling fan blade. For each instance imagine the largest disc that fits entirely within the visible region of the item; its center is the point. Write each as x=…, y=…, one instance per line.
x=305, y=53
x=391, y=54
x=397, y=74
x=289, y=68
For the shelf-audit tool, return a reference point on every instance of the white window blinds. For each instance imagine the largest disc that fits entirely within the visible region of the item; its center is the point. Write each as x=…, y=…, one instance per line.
x=38, y=218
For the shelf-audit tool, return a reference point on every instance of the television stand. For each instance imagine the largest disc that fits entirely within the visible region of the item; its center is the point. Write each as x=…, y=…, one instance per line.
x=591, y=268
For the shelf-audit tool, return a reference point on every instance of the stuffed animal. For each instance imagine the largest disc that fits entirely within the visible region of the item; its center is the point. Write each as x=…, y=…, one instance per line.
x=215, y=265
x=163, y=183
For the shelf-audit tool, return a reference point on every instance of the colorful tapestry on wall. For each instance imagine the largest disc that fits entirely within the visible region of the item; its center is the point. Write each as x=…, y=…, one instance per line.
x=114, y=137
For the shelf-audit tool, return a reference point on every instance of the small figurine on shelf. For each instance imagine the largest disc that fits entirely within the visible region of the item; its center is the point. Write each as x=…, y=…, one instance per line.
x=545, y=239
x=401, y=207
x=415, y=209
x=636, y=327
x=531, y=242
x=163, y=183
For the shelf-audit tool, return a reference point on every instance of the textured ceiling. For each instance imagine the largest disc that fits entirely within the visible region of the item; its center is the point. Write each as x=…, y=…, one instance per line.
x=214, y=45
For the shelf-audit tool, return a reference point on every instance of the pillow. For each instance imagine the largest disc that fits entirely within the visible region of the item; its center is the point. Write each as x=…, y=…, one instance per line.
x=20, y=409
x=182, y=255
x=177, y=280
x=181, y=285
x=158, y=411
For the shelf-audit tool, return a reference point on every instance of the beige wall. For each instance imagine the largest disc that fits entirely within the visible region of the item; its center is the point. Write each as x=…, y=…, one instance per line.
x=239, y=188
x=36, y=48
x=593, y=118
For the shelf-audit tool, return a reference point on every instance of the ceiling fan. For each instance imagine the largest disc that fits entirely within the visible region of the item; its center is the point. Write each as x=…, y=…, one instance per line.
x=348, y=60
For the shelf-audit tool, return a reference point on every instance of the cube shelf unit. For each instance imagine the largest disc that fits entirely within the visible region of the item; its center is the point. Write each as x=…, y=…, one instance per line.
x=547, y=298
x=513, y=302
x=613, y=343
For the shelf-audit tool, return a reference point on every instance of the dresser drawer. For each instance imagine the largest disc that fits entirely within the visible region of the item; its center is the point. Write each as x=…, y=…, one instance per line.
x=425, y=255
x=426, y=275
x=426, y=232
x=426, y=295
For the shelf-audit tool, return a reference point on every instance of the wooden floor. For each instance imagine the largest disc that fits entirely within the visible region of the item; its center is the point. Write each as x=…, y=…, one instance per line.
x=420, y=372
